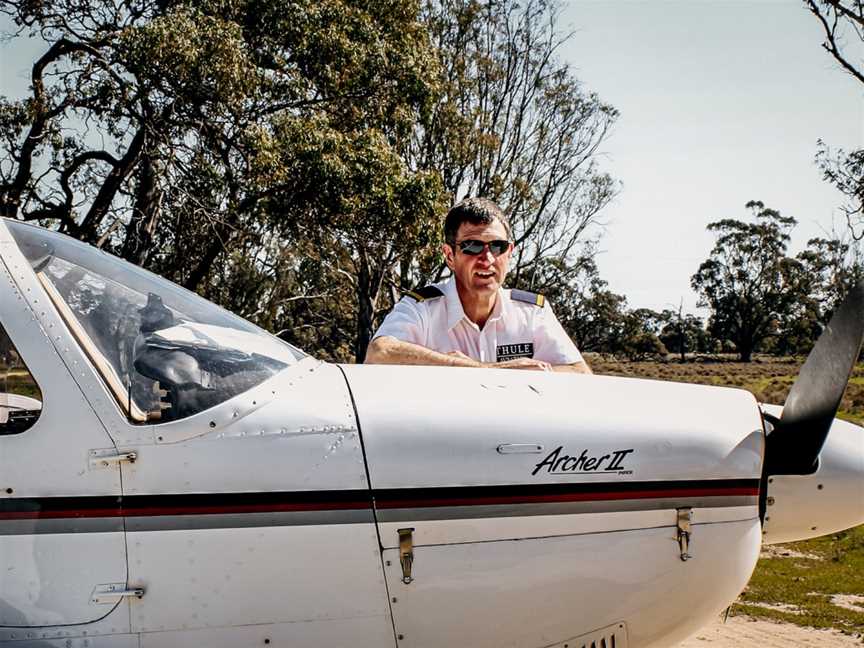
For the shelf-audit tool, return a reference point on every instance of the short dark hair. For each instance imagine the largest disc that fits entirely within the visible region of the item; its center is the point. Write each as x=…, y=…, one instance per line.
x=477, y=211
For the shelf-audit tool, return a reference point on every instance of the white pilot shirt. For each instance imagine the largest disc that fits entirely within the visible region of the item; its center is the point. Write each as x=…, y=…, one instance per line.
x=516, y=329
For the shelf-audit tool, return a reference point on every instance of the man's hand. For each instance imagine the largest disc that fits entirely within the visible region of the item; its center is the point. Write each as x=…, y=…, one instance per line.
x=522, y=363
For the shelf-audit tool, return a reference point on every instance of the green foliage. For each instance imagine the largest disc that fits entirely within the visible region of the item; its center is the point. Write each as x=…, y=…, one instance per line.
x=808, y=578
x=638, y=339
x=591, y=314
x=763, y=300
x=291, y=158
x=748, y=282
x=684, y=333
x=236, y=133
x=597, y=319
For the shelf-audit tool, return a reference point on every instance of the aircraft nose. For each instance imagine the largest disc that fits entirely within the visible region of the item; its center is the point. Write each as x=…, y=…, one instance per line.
x=829, y=500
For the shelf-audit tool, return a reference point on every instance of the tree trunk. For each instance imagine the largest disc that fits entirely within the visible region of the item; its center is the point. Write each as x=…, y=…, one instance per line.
x=111, y=186
x=145, y=214
x=745, y=352
x=217, y=246
x=365, y=309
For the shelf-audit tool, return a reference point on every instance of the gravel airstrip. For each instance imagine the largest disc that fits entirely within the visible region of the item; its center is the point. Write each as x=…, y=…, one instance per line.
x=744, y=632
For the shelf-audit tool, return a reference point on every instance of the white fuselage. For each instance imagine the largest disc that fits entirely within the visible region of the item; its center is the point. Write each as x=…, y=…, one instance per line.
x=370, y=506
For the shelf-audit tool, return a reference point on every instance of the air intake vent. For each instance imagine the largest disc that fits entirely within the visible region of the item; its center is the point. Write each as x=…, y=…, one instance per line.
x=613, y=636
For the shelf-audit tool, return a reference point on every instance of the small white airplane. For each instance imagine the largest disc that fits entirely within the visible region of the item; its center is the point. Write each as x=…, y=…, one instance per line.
x=187, y=479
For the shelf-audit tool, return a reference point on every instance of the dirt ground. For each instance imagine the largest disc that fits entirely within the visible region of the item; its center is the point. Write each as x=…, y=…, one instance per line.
x=744, y=632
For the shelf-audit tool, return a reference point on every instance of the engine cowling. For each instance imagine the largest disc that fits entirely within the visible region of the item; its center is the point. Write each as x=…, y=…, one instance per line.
x=829, y=500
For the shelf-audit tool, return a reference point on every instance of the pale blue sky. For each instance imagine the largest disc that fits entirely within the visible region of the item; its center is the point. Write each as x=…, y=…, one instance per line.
x=721, y=102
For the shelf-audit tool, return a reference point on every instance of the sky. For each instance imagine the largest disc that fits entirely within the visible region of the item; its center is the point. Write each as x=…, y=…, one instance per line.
x=721, y=102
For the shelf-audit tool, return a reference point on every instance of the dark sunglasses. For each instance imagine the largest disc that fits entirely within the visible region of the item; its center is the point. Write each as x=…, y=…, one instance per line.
x=473, y=247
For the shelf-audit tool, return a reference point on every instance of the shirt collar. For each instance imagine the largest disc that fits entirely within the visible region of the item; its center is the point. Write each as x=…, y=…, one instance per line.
x=455, y=312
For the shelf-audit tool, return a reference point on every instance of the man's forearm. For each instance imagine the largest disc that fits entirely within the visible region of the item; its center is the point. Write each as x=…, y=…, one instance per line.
x=389, y=350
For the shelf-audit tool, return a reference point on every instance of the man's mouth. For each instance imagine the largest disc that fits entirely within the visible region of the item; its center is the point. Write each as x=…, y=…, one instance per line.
x=485, y=275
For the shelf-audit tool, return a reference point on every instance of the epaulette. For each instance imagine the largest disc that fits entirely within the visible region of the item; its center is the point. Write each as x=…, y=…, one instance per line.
x=527, y=297
x=424, y=293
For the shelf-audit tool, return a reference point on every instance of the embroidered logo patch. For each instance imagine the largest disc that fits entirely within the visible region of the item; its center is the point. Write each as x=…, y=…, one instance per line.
x=506, y=352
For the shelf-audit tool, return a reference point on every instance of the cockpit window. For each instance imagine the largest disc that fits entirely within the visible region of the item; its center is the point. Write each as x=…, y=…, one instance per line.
x=20, y=398
x=164, y=352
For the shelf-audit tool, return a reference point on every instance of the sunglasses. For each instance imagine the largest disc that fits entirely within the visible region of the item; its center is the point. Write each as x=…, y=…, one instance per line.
x=472, y=247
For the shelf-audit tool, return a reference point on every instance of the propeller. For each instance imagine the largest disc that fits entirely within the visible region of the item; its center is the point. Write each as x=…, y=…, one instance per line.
x=793, y=446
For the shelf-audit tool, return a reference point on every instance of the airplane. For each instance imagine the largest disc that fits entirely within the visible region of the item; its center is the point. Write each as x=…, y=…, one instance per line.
x=172, y=475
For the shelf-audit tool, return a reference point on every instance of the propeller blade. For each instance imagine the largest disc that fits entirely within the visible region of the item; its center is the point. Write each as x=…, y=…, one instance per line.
x=794, y=445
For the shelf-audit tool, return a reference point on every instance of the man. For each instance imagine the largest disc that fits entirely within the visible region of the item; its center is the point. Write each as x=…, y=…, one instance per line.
x=470, y=320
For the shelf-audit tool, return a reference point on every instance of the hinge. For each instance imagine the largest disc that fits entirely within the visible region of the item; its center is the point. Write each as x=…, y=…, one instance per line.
x=685, y=519
x=110, y=457
x=406, y=553
x=111, y=593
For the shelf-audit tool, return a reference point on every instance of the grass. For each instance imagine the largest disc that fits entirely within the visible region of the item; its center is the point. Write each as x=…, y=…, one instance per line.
x=19, y=382
x=816, y=571
x=795, y=583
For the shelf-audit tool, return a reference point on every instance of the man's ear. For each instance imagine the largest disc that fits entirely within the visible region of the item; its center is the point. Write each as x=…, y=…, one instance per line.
x=448, y=255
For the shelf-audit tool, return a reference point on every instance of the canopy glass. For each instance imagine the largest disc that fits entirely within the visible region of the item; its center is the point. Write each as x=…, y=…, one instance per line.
x=164, y=352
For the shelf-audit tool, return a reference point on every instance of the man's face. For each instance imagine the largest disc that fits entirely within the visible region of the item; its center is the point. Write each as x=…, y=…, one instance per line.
x=484, y=273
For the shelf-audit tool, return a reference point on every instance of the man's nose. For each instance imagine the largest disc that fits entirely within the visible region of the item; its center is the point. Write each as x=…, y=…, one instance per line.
x=486, y=256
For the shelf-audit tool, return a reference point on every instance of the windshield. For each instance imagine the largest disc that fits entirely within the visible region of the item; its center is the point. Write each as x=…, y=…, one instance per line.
x=164, y=352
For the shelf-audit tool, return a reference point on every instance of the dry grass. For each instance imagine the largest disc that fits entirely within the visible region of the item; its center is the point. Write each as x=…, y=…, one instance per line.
x=768, y=378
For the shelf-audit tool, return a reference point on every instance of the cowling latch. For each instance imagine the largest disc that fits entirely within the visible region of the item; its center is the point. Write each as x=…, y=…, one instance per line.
x=406, y=553
x=685, y=521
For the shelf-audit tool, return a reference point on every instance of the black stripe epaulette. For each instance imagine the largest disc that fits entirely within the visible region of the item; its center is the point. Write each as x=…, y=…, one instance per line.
x=424, y=293
x=527, y=297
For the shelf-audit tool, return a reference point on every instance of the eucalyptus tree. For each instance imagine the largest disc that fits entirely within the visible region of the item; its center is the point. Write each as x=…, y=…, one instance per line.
x=203, y=139
x=593, y=316
x=748, y=281
x=842, y=23
x=512, y=123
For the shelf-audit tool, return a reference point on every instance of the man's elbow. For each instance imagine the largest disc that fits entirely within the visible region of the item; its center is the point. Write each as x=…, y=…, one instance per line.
x=374, y=352
x=378, y=351
x=582, y=367
x=576, y=367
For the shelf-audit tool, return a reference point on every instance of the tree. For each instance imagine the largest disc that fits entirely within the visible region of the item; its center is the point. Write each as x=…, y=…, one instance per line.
x=830, y=268
x=748, y=282
x=684, y=333
x=513, y=124
x=227, y=132
x=592, y=315
x=638, y=339
x=833, y=266
x=843, y=21
x=845, y=170
x=290, y=159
